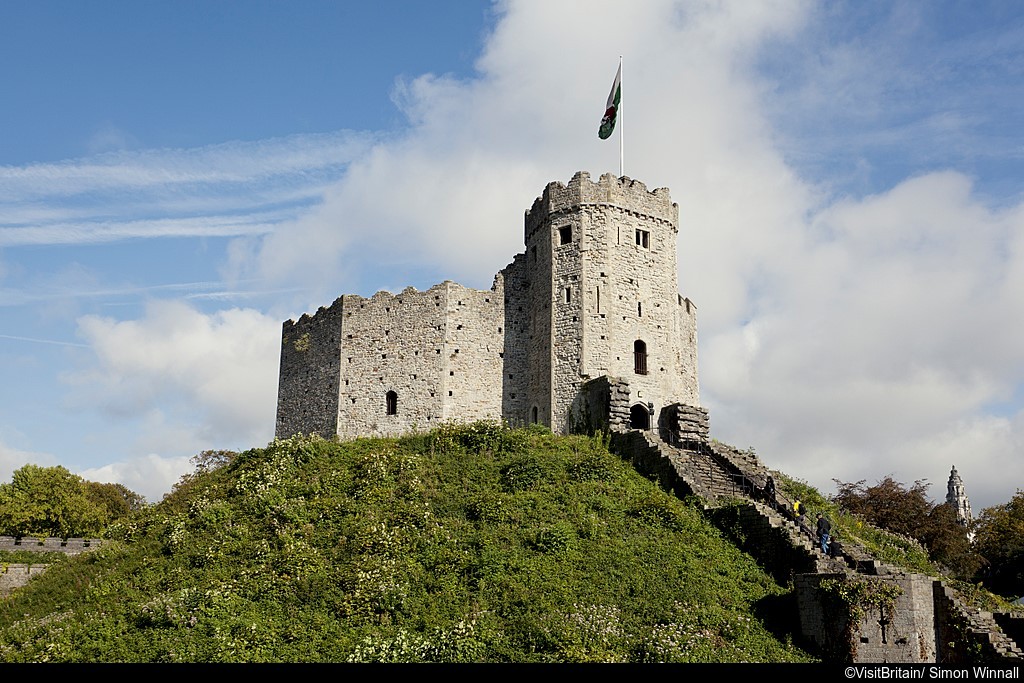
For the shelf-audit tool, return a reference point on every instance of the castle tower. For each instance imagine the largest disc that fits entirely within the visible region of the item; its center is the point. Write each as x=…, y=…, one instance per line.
x=600, y=294
x=594, y=294
x=957, y=498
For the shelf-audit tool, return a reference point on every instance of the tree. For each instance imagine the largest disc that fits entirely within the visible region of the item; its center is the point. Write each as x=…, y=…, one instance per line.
x=999, y=538
x=948, y=543
x=115, y=500
x=48, y=501
x=887, y=504
x=51, y=501
x=890, y=506
x=205, y=463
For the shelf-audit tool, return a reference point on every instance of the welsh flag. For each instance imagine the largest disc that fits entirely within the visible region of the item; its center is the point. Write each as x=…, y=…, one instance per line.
x=611, y=110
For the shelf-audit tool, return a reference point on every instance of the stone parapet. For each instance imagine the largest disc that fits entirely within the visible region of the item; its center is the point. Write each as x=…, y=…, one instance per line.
x=69, y=546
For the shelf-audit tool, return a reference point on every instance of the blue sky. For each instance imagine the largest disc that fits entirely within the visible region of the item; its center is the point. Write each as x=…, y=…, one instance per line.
x=176, y=179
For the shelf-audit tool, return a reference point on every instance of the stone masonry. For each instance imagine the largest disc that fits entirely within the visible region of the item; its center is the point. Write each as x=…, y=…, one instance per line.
x=594, y=294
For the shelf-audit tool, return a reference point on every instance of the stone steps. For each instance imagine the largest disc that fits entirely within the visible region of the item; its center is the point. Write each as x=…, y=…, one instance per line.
x=716, y=472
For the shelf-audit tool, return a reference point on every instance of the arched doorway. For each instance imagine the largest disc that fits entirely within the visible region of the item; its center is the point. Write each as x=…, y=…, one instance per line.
x=639, y=417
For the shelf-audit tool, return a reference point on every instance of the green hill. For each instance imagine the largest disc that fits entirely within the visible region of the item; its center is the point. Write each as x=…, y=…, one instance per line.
x=467, y=544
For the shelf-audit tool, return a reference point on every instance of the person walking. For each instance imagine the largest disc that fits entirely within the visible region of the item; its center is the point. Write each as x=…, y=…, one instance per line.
x=824, y=532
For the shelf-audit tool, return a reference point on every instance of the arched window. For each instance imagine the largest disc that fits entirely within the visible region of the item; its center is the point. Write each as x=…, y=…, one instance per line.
x=534, y=415
x=391, y=401
x=639, y=357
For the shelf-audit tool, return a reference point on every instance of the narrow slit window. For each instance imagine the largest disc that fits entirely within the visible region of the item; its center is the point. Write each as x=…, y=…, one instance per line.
x=391, y=403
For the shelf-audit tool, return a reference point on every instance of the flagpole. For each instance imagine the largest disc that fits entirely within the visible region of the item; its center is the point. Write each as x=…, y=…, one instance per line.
x=621, y=126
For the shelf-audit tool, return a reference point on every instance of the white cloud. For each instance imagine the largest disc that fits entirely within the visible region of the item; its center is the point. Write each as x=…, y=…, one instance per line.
x=223, y=190
x=215, y=373
x=452, y=190
x=882, y=344
x=12, y=459
x=151, y=476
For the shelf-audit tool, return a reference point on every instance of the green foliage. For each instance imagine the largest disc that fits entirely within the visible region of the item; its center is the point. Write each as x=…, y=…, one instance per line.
x=30, y=557
x=907, y=511
x=856, y=598
x=885, y=546
x=51, y=501
x=479, y=437
x=523, y=473
x=809, y=496
x=560, y=537
x=478, y=544
x=999, y=538
x=115, y=500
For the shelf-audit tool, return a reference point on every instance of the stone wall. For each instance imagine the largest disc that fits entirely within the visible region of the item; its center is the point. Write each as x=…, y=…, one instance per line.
x=438, y=353
x=43, y=544
x=307, y=398
x=604, y=277
x=14, y=576
x=904, y=635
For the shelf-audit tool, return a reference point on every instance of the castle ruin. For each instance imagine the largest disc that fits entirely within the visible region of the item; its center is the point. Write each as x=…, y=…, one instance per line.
x=594, y=294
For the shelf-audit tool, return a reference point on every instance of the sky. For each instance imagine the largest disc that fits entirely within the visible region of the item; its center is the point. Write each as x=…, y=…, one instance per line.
x=178, y=179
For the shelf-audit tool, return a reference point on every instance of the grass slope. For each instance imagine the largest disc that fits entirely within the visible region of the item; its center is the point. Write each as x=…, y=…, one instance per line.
x=467, y=544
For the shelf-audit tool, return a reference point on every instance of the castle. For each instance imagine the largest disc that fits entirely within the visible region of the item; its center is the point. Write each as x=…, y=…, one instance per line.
x=593, y=295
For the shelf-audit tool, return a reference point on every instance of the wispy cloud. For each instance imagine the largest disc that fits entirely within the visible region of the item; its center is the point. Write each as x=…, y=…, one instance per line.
x=186, y=290
x=224, y=190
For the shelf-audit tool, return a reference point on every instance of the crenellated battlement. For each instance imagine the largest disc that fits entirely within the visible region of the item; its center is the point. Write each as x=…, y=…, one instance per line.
x=624, y=193
x=49, y=544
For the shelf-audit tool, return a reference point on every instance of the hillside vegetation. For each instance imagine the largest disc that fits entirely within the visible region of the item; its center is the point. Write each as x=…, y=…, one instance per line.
x=467, y=544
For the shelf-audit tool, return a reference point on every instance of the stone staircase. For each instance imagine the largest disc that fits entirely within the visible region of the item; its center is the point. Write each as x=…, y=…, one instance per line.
x=717, y=473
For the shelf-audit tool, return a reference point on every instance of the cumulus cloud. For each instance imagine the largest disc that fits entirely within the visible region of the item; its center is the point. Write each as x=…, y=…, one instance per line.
x=215, y=372
x=451, y=190
x=884, y=344
x=151, y=476
x=12, y=459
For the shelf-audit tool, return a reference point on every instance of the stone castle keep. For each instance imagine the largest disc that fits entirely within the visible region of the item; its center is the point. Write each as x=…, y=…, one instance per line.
x=594, y=294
